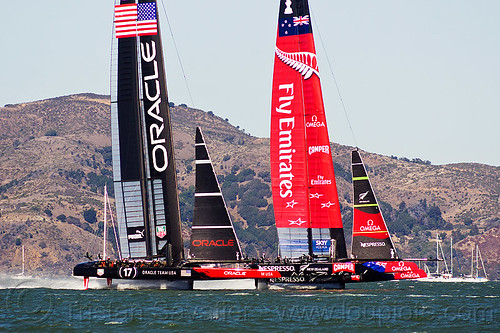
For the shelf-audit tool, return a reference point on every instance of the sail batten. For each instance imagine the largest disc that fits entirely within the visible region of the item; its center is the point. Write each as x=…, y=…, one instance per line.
x=303, y=180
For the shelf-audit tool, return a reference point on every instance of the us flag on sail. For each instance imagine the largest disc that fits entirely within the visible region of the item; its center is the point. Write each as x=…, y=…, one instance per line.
x=134, y=20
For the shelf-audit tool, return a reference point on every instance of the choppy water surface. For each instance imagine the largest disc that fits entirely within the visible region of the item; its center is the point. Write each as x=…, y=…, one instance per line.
x=34, y=305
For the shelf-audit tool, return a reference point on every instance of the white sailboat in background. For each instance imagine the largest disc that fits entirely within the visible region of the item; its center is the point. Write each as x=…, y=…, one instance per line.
x=474, y=268
x=446, y=275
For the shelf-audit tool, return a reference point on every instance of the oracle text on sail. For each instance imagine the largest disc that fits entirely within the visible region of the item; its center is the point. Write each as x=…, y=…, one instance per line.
x=152, y=92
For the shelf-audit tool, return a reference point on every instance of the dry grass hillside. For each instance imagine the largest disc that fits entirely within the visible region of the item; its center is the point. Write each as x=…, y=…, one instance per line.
x=54, y=160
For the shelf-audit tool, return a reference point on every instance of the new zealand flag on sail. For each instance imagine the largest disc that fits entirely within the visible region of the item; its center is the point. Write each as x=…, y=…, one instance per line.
x=294, y=18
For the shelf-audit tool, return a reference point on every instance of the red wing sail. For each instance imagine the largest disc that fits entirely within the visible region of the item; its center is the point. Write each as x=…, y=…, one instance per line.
x=370, y=237
x=305, y=195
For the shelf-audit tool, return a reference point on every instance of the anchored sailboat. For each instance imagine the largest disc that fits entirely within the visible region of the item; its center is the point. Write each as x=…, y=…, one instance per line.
x=446, y=275
x=475, y=275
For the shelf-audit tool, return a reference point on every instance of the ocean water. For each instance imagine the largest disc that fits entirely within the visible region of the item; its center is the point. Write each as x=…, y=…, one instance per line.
x=406, y=306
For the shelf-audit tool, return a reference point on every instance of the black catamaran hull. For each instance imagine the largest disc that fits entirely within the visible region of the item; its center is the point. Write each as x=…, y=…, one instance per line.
x=174, y=277
x=293, y=275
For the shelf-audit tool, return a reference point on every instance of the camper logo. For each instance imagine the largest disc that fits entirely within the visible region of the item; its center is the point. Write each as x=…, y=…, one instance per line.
x=325, y=149
x=161, y=231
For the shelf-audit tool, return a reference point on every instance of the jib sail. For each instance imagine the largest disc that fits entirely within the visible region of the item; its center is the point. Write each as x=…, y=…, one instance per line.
x=370, y=237
x=213, y=237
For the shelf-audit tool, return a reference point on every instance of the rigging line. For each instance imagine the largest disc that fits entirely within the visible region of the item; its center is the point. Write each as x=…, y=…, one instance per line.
x=118, y=249
x=334, y=79
x=178, y=55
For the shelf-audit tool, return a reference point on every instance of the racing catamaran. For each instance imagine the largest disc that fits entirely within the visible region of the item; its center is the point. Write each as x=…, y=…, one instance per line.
x=144, y=173
x=312, y=249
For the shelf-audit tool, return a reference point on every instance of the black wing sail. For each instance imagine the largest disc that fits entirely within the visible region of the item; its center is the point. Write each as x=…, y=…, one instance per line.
x=213, y=237
x=370, y=237
x=143, y=162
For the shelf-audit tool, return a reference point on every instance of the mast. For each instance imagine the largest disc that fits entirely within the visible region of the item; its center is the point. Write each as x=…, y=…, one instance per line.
x=213, y=237
x=437, y=252
x=482, y=263
x=472, y=263
x=477, y=260
x=105, y=223
x=22, y=271
x=444, y=258
x=451, y=256
x=370, y=237
x=305, y=199
x=143, y=163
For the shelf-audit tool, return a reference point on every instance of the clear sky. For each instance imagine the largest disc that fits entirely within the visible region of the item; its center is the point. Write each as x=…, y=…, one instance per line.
x=418, y=78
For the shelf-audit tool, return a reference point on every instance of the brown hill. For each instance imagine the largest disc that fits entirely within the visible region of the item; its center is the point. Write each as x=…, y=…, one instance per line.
x=54, y=160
